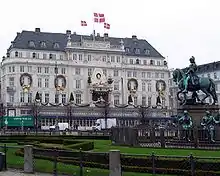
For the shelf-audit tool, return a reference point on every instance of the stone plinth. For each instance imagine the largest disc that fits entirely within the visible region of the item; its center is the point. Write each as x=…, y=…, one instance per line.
x=28, y=159
x=114, y=163
x=198, y=111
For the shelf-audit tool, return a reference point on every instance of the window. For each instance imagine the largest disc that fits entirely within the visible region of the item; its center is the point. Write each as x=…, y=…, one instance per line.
x=16, y=54
x=56, y=70
x=80, y=57
x=116, y=99
x=156, y=75
x=89, y=71
x=129, y=73
x=78, y=98
x=40, y=95
x=115, y=73
x=144, y=101
x=21, y=68
x=135, y=100
x=149, y=101
x=78, y=84
x=162, y=75
x=112, y=58
x=215, y=76
x=22, y=97
x=147, y=52
x=13, y=68
x=149, y=87
x=31, y=44
x=74, y=56
x=63, y=71
x=89, y=57
x=143, y=86
x=9, y=69
x=77, y=71
x=38, y=69
x=137, y=51
x=148, y=75
x=61, y=57
x=127, y=50
x=43, y=45
x=52, y=56
x=11, y=81
x=151, y=62
x=143, y=74
x=45, y=56
x=29, y=68
x=137, y=61
x=63, y=98
x=39, y=84
x=29, y=97
x=105, y=72
x=46, y=70
x=118, y=59
x=46, y=82
x=11, y=98
x=134, y=74
x=131, y=61
x=46, y=97
x=56, y=45
x=104, y=58
x=116, y=86
x=56, y=98
x=145, y=62
x=158, y=62
x=33, y=55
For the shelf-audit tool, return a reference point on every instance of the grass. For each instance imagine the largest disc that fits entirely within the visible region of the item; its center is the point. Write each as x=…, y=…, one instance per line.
x=105, y=146
x=14, y=161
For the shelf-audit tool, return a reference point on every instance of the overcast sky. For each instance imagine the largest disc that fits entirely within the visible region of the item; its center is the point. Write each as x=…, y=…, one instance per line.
x=178, y=29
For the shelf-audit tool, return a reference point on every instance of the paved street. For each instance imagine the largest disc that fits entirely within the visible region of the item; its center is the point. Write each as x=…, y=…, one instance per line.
x=12, y=172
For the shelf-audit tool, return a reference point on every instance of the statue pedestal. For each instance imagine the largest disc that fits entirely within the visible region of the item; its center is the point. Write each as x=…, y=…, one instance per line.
x=198, y=111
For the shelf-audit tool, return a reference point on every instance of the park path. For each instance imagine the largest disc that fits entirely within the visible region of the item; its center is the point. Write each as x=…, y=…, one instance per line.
x=12, y=172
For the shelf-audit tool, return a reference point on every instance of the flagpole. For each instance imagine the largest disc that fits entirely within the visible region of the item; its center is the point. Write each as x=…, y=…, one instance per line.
x=93, y=30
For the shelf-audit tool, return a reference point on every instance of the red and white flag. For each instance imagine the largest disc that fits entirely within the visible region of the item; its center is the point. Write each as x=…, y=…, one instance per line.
x=106, y=26
x=83, y=23
x=99, y=17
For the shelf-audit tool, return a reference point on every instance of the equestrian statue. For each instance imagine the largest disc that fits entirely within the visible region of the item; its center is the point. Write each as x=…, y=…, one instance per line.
x=185, y=121
x=208, y=123
x=190, y=82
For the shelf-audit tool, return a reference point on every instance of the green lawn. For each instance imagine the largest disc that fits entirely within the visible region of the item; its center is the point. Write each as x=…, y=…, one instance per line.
x=14, y=161
x=105, y=146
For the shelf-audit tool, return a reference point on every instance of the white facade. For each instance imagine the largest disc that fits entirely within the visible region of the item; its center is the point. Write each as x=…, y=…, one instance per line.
x=76, y=63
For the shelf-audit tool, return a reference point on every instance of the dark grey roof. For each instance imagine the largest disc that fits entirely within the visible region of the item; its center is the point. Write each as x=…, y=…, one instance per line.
x=22, y=40
x=209, y=67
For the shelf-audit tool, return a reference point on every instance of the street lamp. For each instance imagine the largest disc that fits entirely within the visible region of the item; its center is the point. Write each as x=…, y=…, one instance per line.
x=36, y=111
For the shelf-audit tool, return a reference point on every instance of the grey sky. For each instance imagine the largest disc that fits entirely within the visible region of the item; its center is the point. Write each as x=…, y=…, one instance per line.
x=176, y=28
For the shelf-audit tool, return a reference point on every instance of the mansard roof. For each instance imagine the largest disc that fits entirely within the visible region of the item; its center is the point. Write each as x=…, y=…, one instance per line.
x=47, y=41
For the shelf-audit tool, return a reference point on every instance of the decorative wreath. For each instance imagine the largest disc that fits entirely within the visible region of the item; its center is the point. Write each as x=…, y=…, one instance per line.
x=25, y=87
x=58, y=87
x=136, y=84
x=161, y=91
x=98, y=76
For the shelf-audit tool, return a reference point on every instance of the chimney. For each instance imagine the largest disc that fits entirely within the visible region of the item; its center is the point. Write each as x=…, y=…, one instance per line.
x=68, y=32
x=37, y=29
x=74, y=33
x=106, y=35
x=134, y=37
x=98, y=34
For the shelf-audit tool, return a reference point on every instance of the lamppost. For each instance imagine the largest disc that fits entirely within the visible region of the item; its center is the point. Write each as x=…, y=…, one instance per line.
x=2, y=114
x=35, y=110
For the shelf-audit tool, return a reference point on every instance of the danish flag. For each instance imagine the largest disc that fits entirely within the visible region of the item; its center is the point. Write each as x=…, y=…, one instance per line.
x=106, y=26
x=83, y=23
x=99, y=17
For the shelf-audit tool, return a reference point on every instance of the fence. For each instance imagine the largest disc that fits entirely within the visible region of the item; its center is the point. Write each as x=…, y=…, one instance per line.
x=164, y=138
x=116, y=163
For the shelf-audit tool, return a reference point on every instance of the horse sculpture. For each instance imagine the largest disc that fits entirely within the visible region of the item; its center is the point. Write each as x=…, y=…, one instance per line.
x=206, y=85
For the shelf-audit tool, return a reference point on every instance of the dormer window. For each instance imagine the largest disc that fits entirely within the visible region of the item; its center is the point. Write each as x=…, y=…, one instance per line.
x=127, y=50
x=43, y=45
x=34, y=55
x=31, y=44
x=137, y=50
x=56, y=45
x=147, y=52
x=16, y=54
